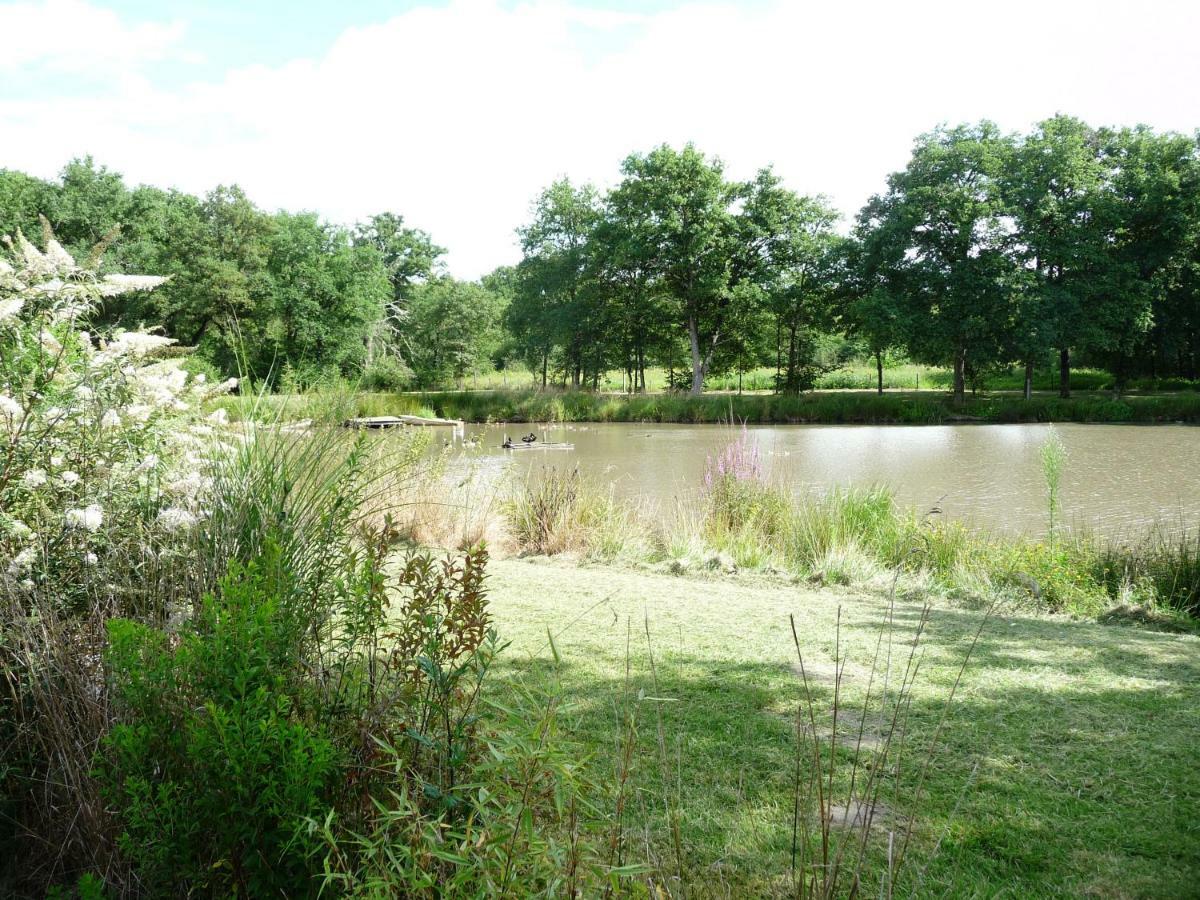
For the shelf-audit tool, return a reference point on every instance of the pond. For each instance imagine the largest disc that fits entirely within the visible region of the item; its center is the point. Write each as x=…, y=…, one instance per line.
x=1118, y=479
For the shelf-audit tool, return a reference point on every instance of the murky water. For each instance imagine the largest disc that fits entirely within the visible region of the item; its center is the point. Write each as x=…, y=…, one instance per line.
x=1118, y=479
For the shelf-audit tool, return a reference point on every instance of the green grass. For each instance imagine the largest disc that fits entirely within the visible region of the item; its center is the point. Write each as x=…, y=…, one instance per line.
x=856, y=375
x=1067, y=766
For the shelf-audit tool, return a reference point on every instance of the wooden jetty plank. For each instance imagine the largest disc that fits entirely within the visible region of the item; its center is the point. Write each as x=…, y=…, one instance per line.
x=395, y=421
x=538, y=445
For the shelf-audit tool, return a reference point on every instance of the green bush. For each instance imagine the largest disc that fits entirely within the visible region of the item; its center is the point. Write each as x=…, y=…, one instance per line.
x=387, y=373
x=466, y=799
x=276, y=745
x=1055, y=574
x=219, y=759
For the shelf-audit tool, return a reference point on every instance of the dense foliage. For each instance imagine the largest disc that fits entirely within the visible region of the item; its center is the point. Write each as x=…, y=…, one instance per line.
x=212, y=684
x=280, y=297
x=987, y=250
x=1067, y=245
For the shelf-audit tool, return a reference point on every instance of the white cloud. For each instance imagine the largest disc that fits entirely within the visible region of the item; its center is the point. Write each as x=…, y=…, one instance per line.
x=456, y=116
x=75, y=36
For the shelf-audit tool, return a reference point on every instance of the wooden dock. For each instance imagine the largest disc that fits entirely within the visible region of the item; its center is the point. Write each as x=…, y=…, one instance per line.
x=397, y=421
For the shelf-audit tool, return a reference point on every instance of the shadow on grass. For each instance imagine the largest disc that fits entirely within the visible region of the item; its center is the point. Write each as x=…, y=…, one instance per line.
x=1066, y=765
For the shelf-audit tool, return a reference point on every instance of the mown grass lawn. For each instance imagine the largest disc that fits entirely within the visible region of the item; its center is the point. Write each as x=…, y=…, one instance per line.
x=1068, y=765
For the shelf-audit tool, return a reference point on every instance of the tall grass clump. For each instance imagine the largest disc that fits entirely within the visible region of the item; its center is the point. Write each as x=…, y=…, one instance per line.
x=1162, y=571
x=842, y=536
x=553, y=511
x=742, y=515
x=1054, y=458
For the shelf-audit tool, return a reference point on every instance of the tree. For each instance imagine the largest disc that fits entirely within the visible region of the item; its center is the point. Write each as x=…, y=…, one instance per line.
x=1155, y=195
x=22, y=199
x=91, y=201
x=1055, y=188
x=788, y=251
x=681, y=205
x=1176, y=330
x=872, y=313
x=938, y=241
x=623, y=270
x=326, y=297
x=409, y=258
x=454, y=329
x=552, y=307
x=409, y=255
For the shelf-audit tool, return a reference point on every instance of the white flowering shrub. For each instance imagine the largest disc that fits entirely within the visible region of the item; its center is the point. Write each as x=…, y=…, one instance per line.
x=103, y=439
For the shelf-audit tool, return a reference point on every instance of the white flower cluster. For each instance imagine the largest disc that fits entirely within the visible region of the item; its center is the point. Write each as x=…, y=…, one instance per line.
x=10, y=307
x=103, y=427
x=90, y=518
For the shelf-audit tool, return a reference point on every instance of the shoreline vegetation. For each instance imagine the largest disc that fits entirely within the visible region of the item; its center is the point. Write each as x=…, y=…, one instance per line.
x=842, y=407
x=861, y=539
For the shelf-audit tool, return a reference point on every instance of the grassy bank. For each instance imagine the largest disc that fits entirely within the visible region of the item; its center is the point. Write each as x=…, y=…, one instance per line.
x=1065, y=766
x=855, y=375
x=840, y=407
x=859, y=537
x=834, y=408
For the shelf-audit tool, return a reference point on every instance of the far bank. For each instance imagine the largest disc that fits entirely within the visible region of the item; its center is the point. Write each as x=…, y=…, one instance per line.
x=817, y=407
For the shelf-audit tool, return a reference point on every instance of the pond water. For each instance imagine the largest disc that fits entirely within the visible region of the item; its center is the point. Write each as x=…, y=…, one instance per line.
x=1118, y=479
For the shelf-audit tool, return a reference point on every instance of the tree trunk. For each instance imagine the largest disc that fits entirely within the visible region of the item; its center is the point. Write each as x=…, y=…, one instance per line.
x=791, y=382
x=697, y=359
x=960, y=387
x=778, y=352
x=879, y=370
x=1029, y=379
x=1064, y=372
x=545, y=358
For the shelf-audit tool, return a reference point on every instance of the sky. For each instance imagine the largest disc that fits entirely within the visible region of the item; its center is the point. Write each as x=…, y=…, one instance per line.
x=456, y=114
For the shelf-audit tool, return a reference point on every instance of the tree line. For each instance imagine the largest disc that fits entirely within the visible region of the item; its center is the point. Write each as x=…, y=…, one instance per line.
x=1069, y=244
x=989, y=249
x=283, y=297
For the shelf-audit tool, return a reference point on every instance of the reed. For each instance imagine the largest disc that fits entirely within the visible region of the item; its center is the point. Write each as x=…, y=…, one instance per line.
x=858, y=536
x=555, y=511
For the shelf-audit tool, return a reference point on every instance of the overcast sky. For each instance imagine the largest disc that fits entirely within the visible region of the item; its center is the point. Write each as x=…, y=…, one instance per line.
x=456, y=114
